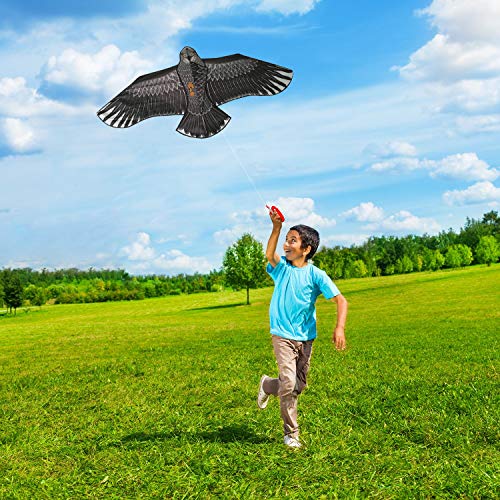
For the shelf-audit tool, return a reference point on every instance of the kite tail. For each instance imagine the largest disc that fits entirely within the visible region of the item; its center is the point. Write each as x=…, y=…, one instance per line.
x=202, y=126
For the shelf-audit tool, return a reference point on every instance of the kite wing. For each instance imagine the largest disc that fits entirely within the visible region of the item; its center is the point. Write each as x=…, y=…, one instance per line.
x=236, y=76
x=155, y=94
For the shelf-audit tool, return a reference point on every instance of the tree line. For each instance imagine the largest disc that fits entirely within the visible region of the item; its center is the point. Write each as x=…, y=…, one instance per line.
x=244, y=268
x=478, y=242
x=29, y=287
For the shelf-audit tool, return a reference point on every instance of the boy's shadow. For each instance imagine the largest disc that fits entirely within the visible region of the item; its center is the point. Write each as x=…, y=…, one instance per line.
x=221, y=434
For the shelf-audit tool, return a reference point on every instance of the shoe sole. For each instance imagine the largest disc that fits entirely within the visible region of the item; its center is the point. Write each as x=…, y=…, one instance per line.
x=261, y=388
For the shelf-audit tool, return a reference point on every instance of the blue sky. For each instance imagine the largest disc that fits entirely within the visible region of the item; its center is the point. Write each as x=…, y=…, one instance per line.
x=390, y=126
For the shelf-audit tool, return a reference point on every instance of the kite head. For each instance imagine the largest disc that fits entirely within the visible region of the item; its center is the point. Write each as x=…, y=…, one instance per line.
x=189, y=55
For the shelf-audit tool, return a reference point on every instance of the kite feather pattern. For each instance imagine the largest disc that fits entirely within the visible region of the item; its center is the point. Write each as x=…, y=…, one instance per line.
x=195, y=88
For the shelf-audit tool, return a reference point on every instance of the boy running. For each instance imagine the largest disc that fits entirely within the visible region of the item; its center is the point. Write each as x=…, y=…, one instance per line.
x=298, y=283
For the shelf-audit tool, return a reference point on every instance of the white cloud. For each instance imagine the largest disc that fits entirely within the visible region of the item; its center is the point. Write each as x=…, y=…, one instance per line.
x=140, y=249
x=108, y=70
x=177, y=261
x=17, y=135
x=463, y=166
x=162, y=21
x=466, y=20
x=399, y=164
x=228, y=236
x=404, y=221
x=19, y=100
x=444, y=59
x=365, y=212
x=302, y=211
x=461, y=64
x=469, y=96
x=478, y=123
x=287, y=6
x=481, y=192
x=145, y=259
x=295, y=210
x=390, y=149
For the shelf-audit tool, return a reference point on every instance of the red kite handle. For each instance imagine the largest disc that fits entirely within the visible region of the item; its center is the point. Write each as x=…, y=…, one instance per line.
x=277, y=210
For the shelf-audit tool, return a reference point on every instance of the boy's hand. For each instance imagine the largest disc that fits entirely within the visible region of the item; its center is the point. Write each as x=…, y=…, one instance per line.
x=275, y=219
x=339, y=338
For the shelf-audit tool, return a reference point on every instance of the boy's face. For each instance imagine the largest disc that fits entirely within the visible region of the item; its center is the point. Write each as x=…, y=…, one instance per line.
x=292, y=246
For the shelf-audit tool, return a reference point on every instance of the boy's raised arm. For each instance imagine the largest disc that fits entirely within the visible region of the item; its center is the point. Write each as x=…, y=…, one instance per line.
x=271, y=254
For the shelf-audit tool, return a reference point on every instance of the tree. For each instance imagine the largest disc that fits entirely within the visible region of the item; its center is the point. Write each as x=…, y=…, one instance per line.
x=439, y=259
x=432, y=260
x=30, y=293
x=13, y=290
x=492, y=221
x=244, y=264
x=487, y=250
x=465, y=254
x=359, y=269
x=2, y=293
x=472, y=231
x=39, y=298
x=452, y=257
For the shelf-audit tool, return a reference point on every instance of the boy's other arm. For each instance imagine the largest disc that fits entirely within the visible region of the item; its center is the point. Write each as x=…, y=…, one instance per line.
x=271, y=254
x=338, y=333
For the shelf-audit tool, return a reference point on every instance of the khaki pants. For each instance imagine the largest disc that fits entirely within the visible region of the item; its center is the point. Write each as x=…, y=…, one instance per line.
x=293, y=360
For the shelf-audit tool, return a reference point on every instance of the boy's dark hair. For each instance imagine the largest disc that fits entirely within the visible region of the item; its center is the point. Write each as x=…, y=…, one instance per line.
x=309, y=236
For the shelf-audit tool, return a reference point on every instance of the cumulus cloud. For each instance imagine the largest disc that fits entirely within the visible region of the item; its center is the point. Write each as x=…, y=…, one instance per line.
x=393, y=155
x=107, y=70
x=177, y=261
x=302, y=211
x=17, y=136
x=140, y=249
x=144, y=258
x=481, y=192
x=465, y=20
x=296, y=211
x=404, y=221
x=466, y=46
x=444, y=59
x=462, y=166
x=465, y=166
x=20, y=101
x=364, y=212
x=460, y=66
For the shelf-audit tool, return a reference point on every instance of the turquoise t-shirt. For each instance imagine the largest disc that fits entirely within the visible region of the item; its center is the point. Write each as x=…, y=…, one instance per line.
x=292, y=312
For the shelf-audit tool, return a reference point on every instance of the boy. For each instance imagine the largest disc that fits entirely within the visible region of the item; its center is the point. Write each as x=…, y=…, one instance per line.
x=293, y=319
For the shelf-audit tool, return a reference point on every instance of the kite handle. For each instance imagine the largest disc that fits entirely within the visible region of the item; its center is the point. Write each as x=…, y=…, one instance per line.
x=277, y=210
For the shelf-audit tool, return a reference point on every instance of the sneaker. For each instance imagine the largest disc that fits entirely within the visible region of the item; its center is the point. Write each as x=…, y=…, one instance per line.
x=292, y=442
x=262, y=397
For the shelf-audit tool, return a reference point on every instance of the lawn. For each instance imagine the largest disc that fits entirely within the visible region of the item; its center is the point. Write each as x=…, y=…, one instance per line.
x=156, y=398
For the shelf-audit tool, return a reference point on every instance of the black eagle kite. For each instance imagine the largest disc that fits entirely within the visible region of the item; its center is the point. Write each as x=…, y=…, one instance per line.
x=195, y=88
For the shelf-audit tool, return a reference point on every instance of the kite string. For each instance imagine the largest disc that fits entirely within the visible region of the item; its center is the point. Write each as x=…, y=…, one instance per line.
x=244, y=169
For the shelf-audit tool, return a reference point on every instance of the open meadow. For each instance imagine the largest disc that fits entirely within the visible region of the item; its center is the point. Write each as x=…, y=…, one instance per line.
x=157, y=398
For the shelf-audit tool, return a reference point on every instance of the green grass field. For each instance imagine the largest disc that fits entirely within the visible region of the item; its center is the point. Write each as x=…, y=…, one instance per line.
x=156, y=398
